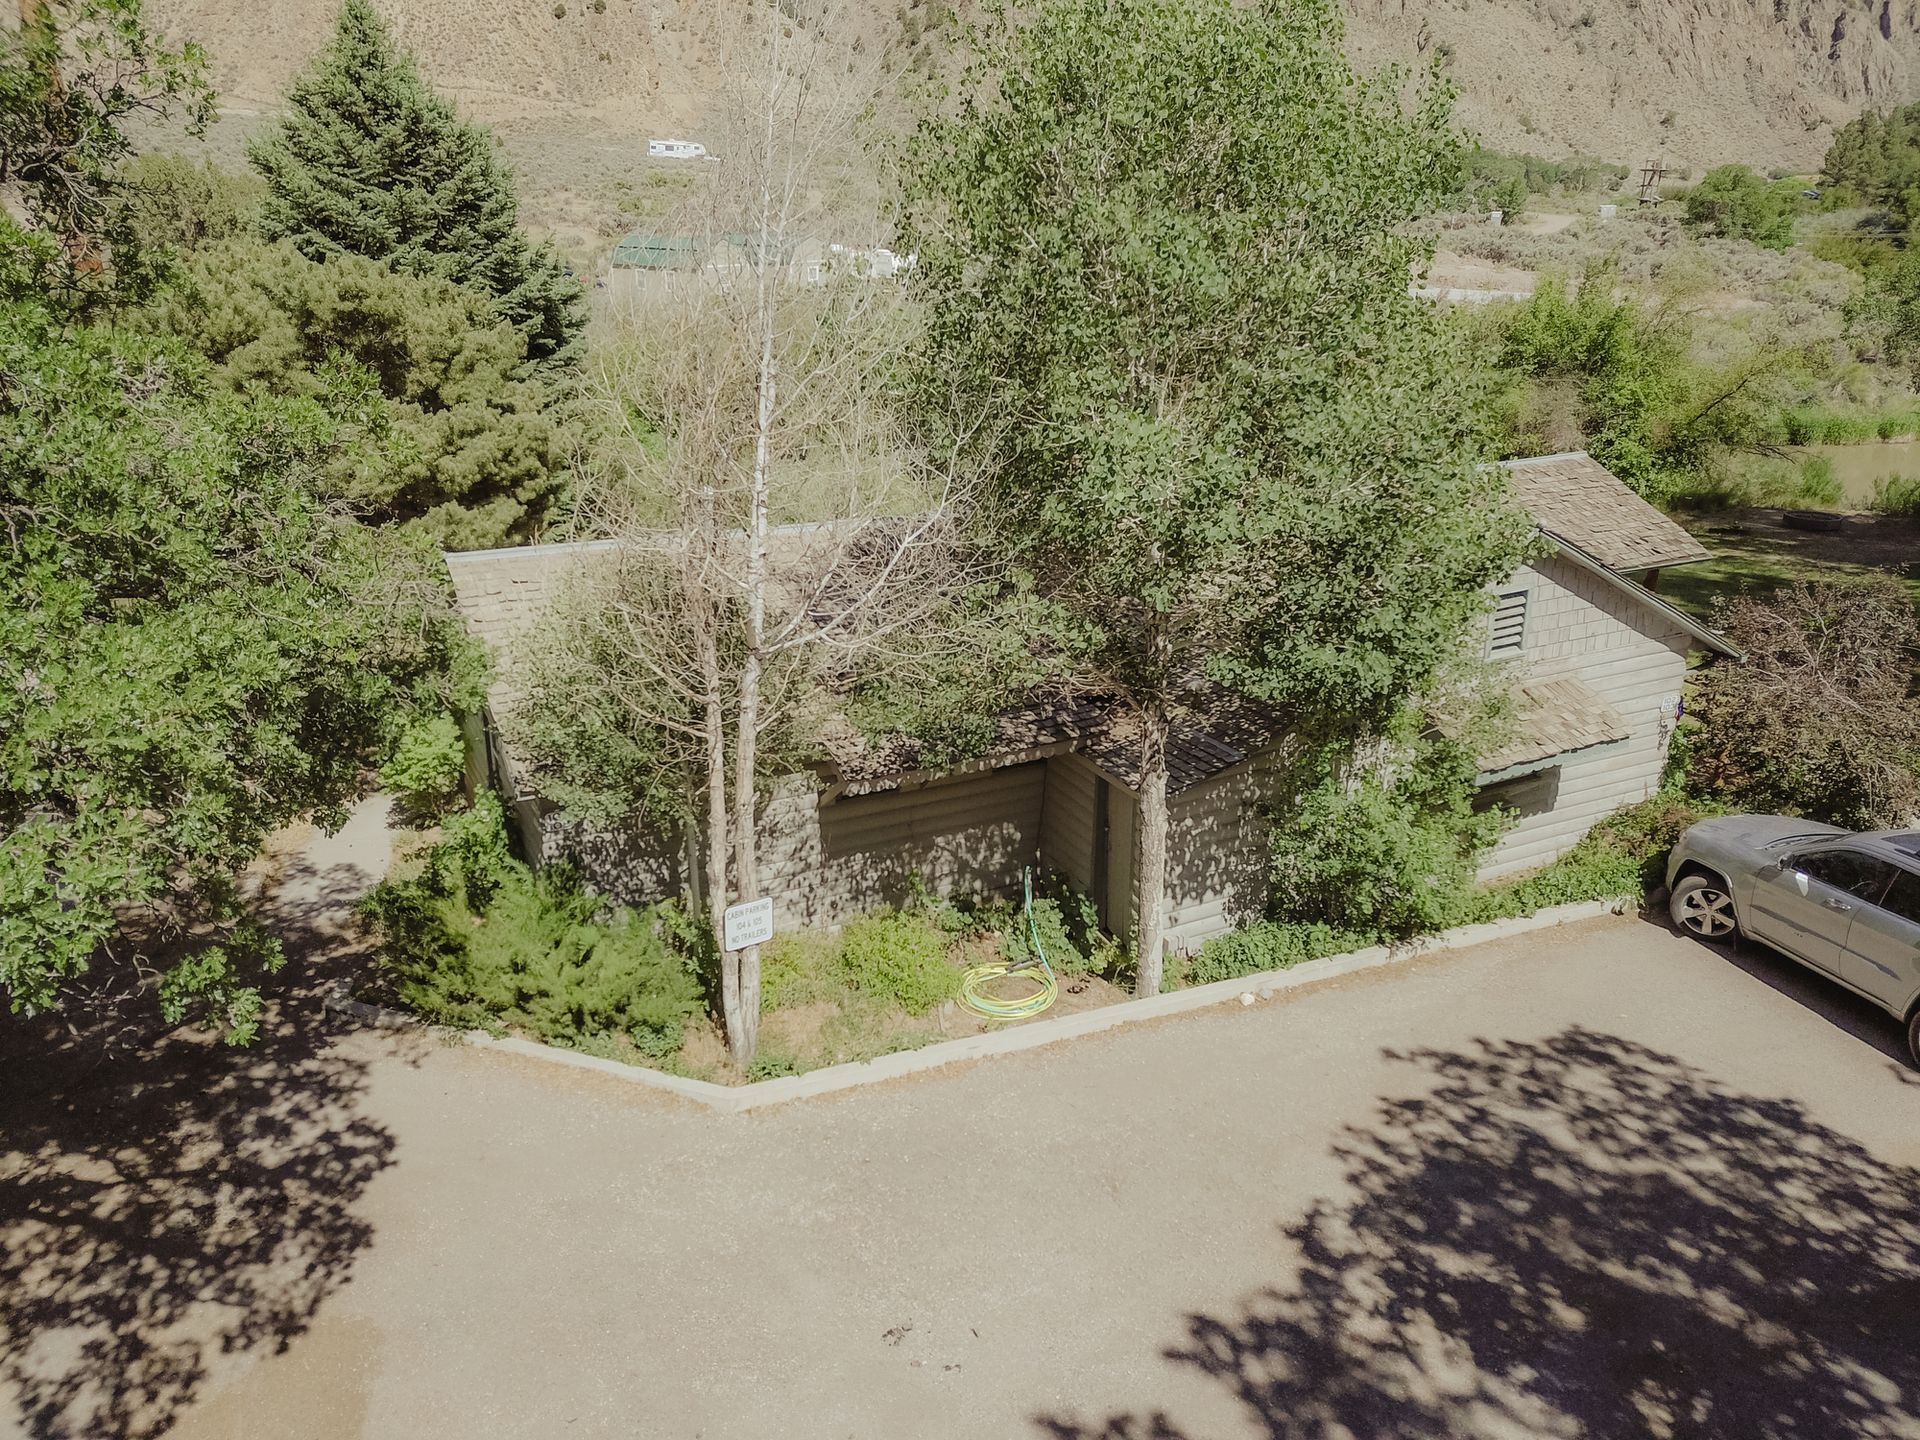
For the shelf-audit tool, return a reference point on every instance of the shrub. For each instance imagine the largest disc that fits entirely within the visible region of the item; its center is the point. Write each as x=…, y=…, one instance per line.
x=1734, y=202
x=1068, y=925
x=794, y=970
x=1849, y=430
x=1387, y=854
x=1818, y=485
x=427, y=764
x=898, y=956
x=1624, y=855
x=1803, y=427
x=531, y=951
x=771, y=1065
x=1897, y=495
x=473, y=850
x=1820, y=719
x=1268, y=945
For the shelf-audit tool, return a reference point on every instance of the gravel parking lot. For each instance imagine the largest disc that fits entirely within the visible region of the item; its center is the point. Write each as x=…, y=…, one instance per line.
x=1597, y=1181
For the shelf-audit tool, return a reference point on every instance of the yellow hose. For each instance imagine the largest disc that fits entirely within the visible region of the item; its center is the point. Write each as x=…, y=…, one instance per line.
x=976, y=999
x=973, y=984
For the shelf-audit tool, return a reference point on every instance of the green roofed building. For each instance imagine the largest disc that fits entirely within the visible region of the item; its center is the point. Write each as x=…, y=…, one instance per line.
x=657, y=252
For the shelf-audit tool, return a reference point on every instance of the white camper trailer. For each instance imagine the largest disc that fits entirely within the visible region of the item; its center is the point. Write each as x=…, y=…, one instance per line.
x=675, y=149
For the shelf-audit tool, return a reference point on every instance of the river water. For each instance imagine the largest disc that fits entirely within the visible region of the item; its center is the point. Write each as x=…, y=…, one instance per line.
x=1856, y=467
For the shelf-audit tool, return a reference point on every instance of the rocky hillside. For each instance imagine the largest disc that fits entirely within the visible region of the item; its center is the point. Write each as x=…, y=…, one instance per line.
x=1698, y=81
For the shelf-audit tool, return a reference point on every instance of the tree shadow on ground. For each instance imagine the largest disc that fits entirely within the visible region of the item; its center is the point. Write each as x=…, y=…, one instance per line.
x=166, y=1200
x=1581, y=1237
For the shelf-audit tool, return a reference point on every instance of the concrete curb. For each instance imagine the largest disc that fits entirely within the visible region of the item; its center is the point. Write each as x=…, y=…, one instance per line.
x=734, y=1099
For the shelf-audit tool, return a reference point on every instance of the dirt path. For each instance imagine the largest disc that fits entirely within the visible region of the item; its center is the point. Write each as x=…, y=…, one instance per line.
x=1597, y=1181
x=318, y=885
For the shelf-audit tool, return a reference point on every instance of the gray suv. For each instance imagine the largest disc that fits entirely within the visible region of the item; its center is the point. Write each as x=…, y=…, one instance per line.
x=1846, y=905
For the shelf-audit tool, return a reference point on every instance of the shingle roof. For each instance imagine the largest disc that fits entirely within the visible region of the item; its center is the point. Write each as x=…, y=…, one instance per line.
x=1555, y=717
x=1094, y=726
x=1579, y=500
x=500, y=592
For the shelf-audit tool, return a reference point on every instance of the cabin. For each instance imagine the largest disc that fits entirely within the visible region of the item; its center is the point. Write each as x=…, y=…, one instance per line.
x=1598, y=660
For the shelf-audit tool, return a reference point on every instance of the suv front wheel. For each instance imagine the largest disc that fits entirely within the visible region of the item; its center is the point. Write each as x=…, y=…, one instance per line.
x=1703, y=907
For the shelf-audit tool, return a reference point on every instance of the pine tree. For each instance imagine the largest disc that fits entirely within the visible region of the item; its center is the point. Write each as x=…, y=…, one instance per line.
x=368, y=160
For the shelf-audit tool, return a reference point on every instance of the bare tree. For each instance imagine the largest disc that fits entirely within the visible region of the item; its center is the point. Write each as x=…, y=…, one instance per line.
x=776, y=526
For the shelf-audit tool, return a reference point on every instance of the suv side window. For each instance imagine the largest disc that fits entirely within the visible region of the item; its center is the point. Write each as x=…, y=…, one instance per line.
x=1904, y=898
x=1847, y=870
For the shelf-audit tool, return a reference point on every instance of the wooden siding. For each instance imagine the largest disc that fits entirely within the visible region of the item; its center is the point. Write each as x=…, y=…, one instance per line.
x=1069, y=821
x=824, y=863
x=1218, y=853
x=1636, y=659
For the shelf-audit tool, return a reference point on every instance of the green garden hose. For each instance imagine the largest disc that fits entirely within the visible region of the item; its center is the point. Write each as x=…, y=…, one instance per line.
x=974, y=996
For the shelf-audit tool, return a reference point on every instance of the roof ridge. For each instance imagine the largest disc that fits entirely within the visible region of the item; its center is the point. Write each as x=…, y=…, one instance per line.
x=1542, y=459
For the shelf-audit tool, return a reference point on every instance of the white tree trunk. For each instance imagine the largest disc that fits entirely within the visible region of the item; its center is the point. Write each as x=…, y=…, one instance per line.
x=746, y=860
x=732, y=1011
x=1153, y=850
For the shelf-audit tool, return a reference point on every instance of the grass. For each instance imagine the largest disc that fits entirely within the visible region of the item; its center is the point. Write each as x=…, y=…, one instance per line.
x=1754, y=553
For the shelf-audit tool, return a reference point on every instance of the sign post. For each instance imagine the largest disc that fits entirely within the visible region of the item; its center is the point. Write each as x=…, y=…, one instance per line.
x=749, y=924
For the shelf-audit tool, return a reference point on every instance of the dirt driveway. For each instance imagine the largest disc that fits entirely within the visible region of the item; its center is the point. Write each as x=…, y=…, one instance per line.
x=1595, y=1182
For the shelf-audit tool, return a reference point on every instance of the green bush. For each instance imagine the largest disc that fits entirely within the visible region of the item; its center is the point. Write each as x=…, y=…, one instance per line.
x=899, y=956
x=1624, y=855
x=1386, y=854
x=1818, y=485
x=473, y=849
x=1068, y=925
x=480, y=939
x=1734, y=202
x=1808, y=426
x=427, y=763
x=1897, y=495
x=1269, y=945
x=795, y=969
x=1850, y=430
x=1803, y=427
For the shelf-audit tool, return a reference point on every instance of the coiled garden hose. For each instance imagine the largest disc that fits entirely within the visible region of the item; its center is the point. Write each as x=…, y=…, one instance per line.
x=974, y=996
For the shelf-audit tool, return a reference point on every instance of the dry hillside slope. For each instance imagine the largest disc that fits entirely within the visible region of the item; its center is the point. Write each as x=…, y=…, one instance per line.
x=1701, y=81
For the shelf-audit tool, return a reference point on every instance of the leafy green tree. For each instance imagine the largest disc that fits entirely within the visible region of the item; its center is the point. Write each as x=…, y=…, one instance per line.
x=1733, y=202
x=72, y=74
x=1622, y=374
x=1878, y=156
x=192, y=650
x=1887, y=311
x=1165, y=243
x=471, y=454
x=368, y=160
x=167, y=201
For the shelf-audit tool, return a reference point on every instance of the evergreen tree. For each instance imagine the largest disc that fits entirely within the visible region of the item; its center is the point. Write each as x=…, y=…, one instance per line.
x=469, y=452
x=368, y=160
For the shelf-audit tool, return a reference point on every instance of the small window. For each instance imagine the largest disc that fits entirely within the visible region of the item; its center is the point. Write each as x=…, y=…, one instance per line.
x=1509, y=624
x=1847, y=870
x=1904, y=898
x=1533, y=794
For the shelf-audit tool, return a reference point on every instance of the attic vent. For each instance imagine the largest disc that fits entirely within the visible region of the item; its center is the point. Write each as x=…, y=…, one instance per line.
x=1509, y=624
